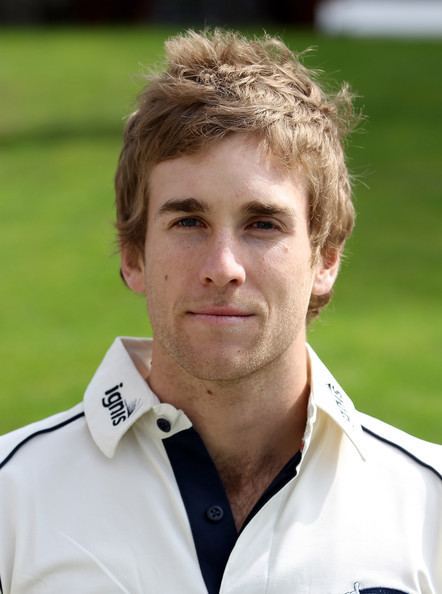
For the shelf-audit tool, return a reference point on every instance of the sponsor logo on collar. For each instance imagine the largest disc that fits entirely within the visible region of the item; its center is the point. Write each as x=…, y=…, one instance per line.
x=340, y=403
x=119, y=409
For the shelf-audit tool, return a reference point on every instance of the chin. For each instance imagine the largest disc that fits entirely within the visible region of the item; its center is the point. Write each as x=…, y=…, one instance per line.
x=219, y=373
x=221, y=365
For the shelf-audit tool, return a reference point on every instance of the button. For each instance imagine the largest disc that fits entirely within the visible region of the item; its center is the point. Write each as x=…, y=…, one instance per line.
x=164, y=424
x=214, y=513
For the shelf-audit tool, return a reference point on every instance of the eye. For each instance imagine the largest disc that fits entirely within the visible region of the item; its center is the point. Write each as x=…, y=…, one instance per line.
x=265, y=225
x=188, y=222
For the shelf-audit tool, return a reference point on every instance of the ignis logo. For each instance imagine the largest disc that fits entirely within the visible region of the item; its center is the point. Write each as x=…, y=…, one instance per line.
x=118, y=408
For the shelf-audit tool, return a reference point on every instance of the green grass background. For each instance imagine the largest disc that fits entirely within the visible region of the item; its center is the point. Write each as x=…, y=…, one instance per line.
x=63, y=96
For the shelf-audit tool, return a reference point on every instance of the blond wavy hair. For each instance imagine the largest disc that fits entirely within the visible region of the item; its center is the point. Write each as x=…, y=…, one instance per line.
x=217, y=83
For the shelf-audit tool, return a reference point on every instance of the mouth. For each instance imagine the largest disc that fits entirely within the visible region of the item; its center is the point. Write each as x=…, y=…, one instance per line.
x=220, y=315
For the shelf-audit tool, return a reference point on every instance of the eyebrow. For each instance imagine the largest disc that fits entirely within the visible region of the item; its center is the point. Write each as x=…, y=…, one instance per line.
x=187, y=205
x=258, y=208
x=192, y=205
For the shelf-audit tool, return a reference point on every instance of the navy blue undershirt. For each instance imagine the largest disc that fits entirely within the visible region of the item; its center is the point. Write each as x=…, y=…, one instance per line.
x=206, y=502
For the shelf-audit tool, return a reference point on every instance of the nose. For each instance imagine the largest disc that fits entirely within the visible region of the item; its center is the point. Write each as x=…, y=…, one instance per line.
x=221, y=265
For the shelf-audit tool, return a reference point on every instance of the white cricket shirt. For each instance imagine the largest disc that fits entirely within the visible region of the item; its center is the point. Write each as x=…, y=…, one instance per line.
x=119, y=495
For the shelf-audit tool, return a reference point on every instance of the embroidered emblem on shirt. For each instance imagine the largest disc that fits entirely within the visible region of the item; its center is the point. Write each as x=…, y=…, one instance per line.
x=379, y=590
x=119, y=409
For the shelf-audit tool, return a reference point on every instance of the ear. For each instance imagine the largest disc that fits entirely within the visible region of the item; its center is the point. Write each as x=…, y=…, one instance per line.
x=327, y=268
x=132, y=269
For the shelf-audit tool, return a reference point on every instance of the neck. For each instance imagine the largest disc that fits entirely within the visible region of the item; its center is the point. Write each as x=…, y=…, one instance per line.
x=251, y=426
x=255, y=423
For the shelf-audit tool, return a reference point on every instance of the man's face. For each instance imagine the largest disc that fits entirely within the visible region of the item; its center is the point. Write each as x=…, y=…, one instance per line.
x=227, y=268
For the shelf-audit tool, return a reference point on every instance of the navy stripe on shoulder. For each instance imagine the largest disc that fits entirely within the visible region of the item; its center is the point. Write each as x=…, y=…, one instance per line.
x=403, y=450
x=39, y=432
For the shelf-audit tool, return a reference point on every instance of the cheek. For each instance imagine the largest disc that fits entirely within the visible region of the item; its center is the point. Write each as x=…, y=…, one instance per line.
x=156, y=276
x=291, y=285
x=289, y=263
x=165, y=280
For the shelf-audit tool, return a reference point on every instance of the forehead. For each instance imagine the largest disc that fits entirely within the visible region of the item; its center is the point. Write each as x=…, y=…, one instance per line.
x=231, y=171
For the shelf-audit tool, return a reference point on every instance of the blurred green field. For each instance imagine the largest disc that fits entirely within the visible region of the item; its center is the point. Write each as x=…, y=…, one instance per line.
x=63, y=96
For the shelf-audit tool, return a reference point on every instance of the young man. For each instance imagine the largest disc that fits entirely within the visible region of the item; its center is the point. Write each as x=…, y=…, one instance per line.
x=222, y=456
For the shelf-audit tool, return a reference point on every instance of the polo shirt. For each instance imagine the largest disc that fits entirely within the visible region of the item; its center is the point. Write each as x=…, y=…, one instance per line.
x=119, y=494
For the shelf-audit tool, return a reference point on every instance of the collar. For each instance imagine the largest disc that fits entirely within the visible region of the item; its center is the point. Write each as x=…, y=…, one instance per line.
x=118, y=395
x=327, y=395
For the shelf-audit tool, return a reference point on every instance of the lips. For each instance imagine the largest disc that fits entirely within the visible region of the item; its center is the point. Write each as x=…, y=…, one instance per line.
x=220, y=315
x=221, y=312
